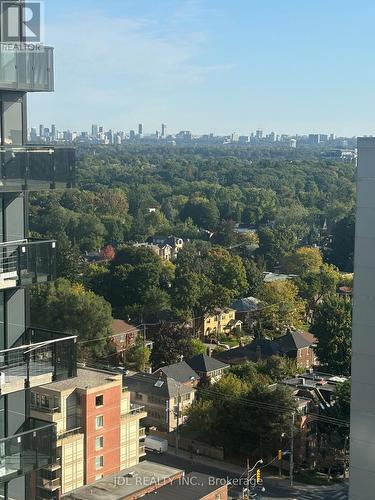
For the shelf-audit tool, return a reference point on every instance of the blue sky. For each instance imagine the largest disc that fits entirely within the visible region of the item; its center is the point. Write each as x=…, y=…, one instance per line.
x=211, y=65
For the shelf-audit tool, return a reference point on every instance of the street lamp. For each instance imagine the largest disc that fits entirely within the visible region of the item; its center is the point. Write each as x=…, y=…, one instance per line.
x=250, y=475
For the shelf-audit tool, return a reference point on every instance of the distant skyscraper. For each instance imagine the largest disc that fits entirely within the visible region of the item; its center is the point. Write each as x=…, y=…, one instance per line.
x=132, y=134
x=53, y=131
x=41, y=130
x=94, y=131
x=314, y=138
x=259, y=134
x=140, y=130
x=101, y=130
x=33, y=135
x=164, y=130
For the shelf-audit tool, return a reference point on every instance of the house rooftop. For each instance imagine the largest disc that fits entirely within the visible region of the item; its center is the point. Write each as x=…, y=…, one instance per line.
x=195, y=486
x=246, y=304
x=87, y=378
x=156, y=385
x=270, y=277
x=295, y=340
x=127, y=483
x=181, y=372
x=205, y=364
x=120, y=326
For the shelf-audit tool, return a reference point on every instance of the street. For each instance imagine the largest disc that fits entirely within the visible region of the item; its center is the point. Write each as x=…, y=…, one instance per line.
x=276, y=489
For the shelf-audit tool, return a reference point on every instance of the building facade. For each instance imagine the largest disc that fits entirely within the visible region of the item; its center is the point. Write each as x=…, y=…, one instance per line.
x=165, y=400
x=28, y=357
x=221, y=321
x=362, y=439
x=98, y=430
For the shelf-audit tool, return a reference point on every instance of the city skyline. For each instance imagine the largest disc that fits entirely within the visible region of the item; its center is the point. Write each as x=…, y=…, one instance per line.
x=141, y=129
x=218, y=67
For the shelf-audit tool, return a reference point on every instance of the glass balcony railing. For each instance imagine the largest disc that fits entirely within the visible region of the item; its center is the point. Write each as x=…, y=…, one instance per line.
x=27, y=71
x=27, y=262
x=31, y=448
x=39, y=357
x=34, y=168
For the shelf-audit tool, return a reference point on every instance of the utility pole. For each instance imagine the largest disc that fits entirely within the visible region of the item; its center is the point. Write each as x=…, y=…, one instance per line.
x=345, y=462
x=292, y=449
x=246, y=494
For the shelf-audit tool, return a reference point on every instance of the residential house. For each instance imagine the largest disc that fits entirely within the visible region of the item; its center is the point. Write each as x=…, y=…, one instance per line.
x=207, y=368
x=181, y=372
x=299, y=346
x=256, y=350
x=313, y=392
x=247, y=310
x=165, y=400
x=221, y=321
x=123, y=336
x=164, y=251
x=98, y=429
x=176, y=244
x=323, y=386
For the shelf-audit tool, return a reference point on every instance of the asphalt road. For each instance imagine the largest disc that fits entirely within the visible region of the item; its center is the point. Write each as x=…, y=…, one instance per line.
x=276, y=489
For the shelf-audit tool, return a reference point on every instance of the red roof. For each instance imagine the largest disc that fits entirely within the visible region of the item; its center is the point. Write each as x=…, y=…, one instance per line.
x=309, y=337
x=120, y=326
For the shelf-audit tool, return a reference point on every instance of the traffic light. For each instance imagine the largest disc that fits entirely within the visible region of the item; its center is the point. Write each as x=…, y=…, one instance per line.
x=280, y=455
x=259, y=476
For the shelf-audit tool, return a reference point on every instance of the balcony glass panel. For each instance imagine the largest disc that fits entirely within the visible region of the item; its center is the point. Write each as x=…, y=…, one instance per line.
x=39, y=357
x=32, y=448
x=27, y=71
x=36, y=168
x=27, y=262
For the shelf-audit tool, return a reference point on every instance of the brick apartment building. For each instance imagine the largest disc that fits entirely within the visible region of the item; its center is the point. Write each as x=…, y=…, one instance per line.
x=98, y=432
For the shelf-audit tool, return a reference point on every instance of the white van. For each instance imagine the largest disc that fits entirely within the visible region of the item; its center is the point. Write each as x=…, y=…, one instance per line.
x=156, y=444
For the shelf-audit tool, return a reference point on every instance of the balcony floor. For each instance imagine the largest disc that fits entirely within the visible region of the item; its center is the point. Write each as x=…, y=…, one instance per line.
x=11, y=380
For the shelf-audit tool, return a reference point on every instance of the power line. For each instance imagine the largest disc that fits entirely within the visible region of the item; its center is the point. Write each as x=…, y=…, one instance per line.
x=271, y=407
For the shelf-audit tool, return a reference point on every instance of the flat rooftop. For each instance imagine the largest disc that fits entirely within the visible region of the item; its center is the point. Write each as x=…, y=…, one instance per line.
x=87, y=378
x=126, y=483
x=194, y=486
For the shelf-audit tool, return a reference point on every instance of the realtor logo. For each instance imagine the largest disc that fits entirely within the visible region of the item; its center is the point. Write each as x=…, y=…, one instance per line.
x=21, y=23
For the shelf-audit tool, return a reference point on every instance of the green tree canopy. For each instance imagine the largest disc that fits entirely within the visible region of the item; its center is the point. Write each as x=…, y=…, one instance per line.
x=66, y=307
x=332, y=326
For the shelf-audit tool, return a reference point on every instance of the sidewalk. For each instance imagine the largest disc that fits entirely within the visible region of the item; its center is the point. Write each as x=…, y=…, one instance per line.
x=216, y=464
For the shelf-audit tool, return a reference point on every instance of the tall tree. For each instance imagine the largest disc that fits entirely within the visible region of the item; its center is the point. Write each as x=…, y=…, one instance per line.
x=171, y=344
x=343, y=243
x=332, y=326
x=304, y=260
x=66, y=307
x=284, y=308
